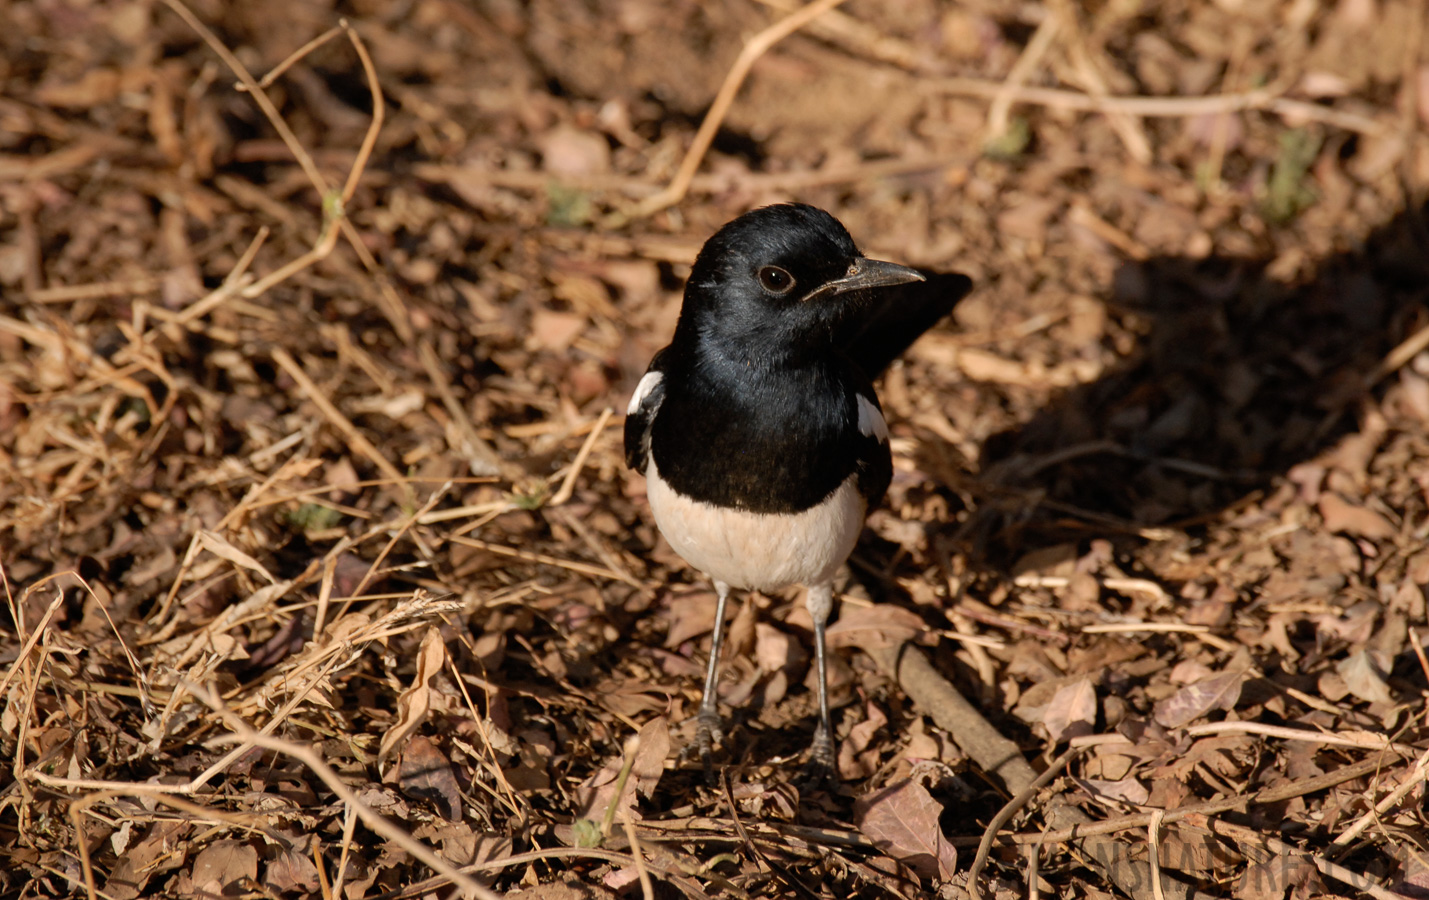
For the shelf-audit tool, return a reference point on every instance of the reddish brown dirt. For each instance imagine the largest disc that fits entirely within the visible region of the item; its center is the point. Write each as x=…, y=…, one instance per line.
x=1161, y=481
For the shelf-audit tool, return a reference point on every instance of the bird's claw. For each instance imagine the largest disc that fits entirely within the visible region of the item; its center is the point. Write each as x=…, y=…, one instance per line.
x=707, y=734
x=819, y=770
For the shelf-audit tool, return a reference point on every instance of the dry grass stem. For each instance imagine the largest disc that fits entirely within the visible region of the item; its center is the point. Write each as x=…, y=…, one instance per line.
x=754, y=48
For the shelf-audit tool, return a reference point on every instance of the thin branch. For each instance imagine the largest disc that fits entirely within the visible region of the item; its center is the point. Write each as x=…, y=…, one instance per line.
x=1009, y=809
x=754, y=48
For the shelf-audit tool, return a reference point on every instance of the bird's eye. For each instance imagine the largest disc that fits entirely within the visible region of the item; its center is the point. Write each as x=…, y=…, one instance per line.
x=776, y=280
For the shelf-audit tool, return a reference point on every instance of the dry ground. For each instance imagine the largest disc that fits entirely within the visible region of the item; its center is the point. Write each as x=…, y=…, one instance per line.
x=324, y=576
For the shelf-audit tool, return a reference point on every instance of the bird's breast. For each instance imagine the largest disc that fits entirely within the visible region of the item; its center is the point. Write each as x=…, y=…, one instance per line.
x=756, y=550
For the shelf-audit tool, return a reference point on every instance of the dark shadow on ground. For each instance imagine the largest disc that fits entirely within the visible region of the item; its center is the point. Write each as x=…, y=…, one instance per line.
x=1237, y=378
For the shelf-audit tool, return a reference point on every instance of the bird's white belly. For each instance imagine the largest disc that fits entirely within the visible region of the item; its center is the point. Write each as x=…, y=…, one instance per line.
x=759, y=551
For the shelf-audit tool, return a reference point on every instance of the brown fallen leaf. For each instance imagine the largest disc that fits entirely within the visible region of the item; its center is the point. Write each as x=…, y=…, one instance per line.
x=555, y=331
x=1195, y=700
x=1125, y=790
x=650, y=758
x=598, y=791
x=858, y=755
x=902, y=821
x=1361, y=674
x=1272, y=879
x=1342, y=516
x=876, y=627
x=425, y=773
x=1073, y=711
x=292, y=869
x=220, y=867
x=415, y=702
x=1196, y=852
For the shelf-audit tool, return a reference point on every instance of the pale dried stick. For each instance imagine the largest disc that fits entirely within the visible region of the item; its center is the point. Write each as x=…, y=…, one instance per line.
x=1163, y=107
x=266, y=105
x=35, y=635
x=97, y=290
x=80, y=806
x=1363, y=740
x=1008, y=810
x=232, y=284
x=1240, y=833
x=422, y=888
x=334, y=213
x=1127, y=127
x=1027, y=63
x=349, y=825
x=1399, y=357
x=489, y=759
x=541, y=558
x=1410, y=100
x=325, y=659
x=392, y=541
x=1415, y=778
x=480, y=457
x=1153, y=833
x=1419, y=652
x=285, y=65
x=754, y=48
x=244, y=734
x=1221, y=127
x=569, y=485
x=359, y=441
x=647, y=889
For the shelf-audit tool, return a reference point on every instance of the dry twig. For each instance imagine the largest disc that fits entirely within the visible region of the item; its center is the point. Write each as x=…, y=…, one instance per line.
x=754, y=48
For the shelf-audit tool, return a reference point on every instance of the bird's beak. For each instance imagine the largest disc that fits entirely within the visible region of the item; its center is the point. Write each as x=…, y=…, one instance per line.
x=867, y=273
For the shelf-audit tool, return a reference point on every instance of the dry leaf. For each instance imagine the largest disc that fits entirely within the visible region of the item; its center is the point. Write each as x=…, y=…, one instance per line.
x=1361, y=674
x=1125, y=790
x=1341, y=515
x=858, y=756
x=1073, y=711
x=597, y=792
x=292, y=869
x=218, y=546
x=555, y=331
x=415, y=702
x=1270, y=880
x=650, y=758
x=1195, y=700
x=690, y=615
x=876, y=627
x=774, y=650
x=221, y=868
x=902, y=821
x=425, y=773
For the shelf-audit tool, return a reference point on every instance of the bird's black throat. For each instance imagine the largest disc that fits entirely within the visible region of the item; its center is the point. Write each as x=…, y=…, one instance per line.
x=770, y=435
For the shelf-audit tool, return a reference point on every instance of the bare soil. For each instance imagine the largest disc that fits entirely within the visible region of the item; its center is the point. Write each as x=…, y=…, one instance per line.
x=324, y=576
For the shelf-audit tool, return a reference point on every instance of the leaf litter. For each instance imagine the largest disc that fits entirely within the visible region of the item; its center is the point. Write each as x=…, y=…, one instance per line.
x=310, y=520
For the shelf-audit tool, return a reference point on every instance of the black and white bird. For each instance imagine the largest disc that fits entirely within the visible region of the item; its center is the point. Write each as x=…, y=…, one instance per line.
x=758, y=431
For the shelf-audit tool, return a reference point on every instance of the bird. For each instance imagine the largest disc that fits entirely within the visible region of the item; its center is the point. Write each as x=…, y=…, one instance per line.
x=758, y=431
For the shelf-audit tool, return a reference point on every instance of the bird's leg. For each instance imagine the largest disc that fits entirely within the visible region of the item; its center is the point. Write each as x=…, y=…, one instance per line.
x=821, y=754
x=708, y=732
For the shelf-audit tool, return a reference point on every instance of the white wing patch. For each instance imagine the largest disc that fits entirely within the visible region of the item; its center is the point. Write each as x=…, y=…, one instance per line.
x=870, y=420
x=650, y=382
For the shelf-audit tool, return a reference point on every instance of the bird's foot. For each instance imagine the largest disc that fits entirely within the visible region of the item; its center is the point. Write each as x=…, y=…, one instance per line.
x=821, y=769
x=707, y=734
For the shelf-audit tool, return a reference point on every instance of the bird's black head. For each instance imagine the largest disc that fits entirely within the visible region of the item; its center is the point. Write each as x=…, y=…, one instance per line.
x=773, y=283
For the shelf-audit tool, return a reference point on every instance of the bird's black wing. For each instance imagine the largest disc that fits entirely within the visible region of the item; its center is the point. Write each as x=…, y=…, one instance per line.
x=874, y=462
x=896, y=316
x=640, y=417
